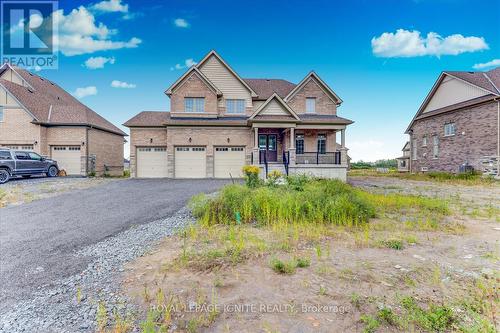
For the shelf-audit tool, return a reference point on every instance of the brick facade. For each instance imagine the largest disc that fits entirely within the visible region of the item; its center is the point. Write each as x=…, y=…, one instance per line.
x=193, y=86
x=145, y=137
x=324, y=104
x=476, y=137
x=108, y=151
x=17, y=129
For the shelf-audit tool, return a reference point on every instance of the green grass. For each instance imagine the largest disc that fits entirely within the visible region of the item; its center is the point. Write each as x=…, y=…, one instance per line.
x=395, y=244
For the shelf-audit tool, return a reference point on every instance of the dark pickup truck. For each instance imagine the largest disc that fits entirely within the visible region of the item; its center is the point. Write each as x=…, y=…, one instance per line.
x=24, y=163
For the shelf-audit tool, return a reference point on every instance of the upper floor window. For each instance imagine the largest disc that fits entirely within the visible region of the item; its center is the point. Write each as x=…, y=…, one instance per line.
x=194, y=104
x=310, y=105
x=435, y=146
x=322, y=143
x=299, y=143
x=1, y=113
x=424, y=141
x=235, y=106
x=449, y=129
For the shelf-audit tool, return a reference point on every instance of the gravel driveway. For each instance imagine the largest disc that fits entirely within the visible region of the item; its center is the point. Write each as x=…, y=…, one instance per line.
x=48, y=245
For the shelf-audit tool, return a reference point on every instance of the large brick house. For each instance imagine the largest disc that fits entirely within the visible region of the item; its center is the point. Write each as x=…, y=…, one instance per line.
x=219, y=122
x=38, y=115
x=458, y=123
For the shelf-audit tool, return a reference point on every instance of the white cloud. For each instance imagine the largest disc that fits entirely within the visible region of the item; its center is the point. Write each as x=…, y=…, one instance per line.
x=110, y=6
x=181, y=23
x=85, y=91
x=405, y=43
x=80, y=34
x=121, y=84
x=98, y=62
x=187, y=63
x=492, y=63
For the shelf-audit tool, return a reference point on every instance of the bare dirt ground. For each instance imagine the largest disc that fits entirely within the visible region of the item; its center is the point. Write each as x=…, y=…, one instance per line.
x=352, y=278
x=19, y=191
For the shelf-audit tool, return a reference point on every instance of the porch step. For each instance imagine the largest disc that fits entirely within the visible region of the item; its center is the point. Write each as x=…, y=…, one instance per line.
x=271, y=167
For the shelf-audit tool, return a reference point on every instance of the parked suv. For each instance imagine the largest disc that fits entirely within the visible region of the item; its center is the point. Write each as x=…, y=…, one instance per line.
x=24, y=163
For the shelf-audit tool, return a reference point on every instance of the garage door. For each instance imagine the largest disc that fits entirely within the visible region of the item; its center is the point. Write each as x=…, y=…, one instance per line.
x=68, y=158
x=190, y=162
x=152, y=162
x=228, y=162
x=20, y=147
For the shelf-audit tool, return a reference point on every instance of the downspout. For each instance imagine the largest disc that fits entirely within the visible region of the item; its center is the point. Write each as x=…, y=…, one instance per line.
x=87, y=152
x=498, y=137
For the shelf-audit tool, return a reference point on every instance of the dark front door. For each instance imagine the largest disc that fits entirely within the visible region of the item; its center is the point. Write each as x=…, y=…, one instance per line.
x=268, y=145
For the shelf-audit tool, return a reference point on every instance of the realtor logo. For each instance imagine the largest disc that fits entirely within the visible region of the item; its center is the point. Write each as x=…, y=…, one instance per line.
x=28, y=32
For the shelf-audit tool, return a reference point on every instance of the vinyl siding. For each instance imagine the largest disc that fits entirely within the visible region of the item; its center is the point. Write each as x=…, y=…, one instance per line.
x=11, y=76
x=227, y=83
x=452, y=91
x=6, y=98
x=274, y=109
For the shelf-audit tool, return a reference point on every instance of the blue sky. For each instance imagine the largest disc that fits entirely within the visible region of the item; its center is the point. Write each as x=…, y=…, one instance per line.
x=382, y=78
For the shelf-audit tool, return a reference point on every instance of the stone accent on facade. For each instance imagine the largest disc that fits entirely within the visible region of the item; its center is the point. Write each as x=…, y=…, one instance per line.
x=476, y=137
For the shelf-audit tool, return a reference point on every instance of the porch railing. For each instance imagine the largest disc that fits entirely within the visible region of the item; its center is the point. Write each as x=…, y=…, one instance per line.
x=316, y=157
x=263, y=160
x=286, y=160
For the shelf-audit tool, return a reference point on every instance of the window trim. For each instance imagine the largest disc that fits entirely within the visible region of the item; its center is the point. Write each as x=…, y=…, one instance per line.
x=234, y=102
x=302, y=138
x=448, y=125
x=2, y=113
x=424, y=141
x=314, y=105
x=194, y=104
x=414, y=151
x=435, y=146
x=318, y=140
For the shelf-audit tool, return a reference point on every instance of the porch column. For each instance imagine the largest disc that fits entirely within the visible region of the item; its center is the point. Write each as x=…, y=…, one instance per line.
x=343, y=150
x=255, y=150
x=292, y=147
x=342, y=135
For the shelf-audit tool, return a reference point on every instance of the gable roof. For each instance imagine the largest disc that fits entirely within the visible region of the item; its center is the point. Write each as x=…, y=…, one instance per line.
x=148, y=119
x=186, y=75
x=406, y=147
x=49, y=104
x=266, y=87
x=280, y=101
x=212, y=53
x=323, y=85
x=486, y=81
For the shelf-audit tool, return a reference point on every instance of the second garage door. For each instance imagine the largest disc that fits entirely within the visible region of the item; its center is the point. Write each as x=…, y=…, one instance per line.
x=228, y=162
x=68, y=158
x=152, y=162
x=190, y=162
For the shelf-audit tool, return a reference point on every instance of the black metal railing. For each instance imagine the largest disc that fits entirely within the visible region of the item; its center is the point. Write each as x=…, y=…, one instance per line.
x=263, y=159
x=286, y=160
x=316, y=157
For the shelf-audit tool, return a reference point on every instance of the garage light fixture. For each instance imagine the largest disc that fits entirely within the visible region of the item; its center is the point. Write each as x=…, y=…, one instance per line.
x=190, y=140
x=83, y=143
x=228, y=139
x=36, y=142
x=151, y=140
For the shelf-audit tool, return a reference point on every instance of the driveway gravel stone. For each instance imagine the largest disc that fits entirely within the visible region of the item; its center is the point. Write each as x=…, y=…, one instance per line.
x=61, y=256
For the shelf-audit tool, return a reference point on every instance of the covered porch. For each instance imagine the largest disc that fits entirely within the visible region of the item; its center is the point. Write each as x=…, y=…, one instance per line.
x=300, y=149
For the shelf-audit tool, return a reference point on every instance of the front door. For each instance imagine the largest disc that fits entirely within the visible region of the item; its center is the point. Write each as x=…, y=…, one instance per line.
x=268, y=146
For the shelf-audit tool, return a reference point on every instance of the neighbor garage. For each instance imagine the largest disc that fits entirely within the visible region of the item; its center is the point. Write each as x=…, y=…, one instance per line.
x=68, y=158
x=190, y=162
x=228, y=162
x=152, y=162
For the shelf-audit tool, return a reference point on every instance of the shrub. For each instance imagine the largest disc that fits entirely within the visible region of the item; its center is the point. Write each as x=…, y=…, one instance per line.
x=126, y=173
x=303, y=262
x=297, y=182
x=395, y=244
x=283, y=267
x=251, y=175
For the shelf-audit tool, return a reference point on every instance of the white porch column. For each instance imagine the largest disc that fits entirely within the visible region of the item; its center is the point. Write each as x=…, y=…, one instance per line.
x=342, y=134
x=292, y=147
x=343, y=149
x=255, y=150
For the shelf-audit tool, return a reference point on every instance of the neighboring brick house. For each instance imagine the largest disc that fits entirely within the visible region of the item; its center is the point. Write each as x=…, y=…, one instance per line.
x=38, y=115
x=404, y=161
x=458, y=123
x=219, y=122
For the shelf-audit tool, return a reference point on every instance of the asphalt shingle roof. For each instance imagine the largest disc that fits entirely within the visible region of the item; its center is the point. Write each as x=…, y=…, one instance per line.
x=52, y=105
x=266, y=87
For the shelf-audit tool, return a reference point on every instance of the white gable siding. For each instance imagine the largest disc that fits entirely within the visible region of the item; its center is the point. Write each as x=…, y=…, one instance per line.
x=227, y=83
x=257, y=105
x=273, y=108
x=6, y=98
x=452, y=91
x=12, y=76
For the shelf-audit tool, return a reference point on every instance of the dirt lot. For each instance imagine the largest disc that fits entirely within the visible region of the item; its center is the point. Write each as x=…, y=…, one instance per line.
x=391, y=276
x=19, y=191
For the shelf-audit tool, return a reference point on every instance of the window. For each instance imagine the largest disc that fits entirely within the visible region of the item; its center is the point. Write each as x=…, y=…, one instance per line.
x=35, y=156
x=449, y=129
x=310, y=105
x=435, y=146
x=20, y=155
x=322, y=143
x=194, y=104
x=299, y=143
x=414, y=149
x=235, y=106
x=424, y=141
x=5, y=155
x=1, y=114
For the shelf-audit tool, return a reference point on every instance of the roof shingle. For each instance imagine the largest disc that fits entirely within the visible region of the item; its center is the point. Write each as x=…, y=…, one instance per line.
x=266, y=87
